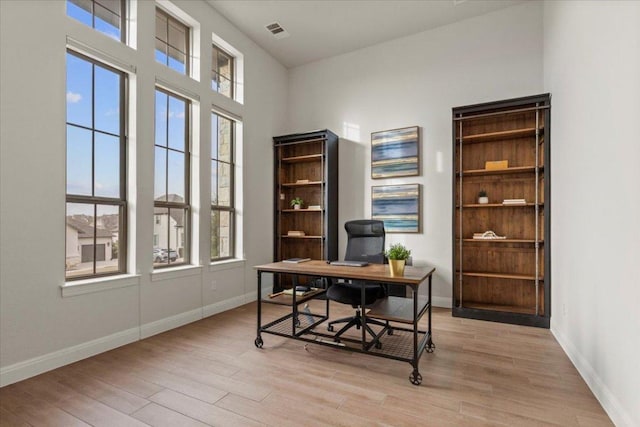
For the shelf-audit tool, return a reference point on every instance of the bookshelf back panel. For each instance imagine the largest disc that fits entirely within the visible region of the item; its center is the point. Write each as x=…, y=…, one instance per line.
x=500, y=187
x=511, y=259
x=499, y=123
x=516, y=222
x=303, y=149
x=292, y=172
x=509, y=292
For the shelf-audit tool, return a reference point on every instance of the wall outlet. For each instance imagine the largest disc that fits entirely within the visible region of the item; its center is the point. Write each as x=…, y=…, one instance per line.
x=214, y=285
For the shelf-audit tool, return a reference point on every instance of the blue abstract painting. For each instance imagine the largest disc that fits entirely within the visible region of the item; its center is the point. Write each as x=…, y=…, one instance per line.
x=395, y=153
x=398, y=206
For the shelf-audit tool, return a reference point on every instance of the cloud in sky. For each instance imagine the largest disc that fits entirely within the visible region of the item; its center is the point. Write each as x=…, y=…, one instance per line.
x=73, y=97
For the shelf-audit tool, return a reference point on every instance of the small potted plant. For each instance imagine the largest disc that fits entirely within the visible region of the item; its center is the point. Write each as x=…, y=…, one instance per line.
x=482, y=197
x=397, y=254
x=297, y=203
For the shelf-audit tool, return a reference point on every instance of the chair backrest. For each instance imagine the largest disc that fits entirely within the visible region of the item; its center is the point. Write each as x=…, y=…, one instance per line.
x=365, y=241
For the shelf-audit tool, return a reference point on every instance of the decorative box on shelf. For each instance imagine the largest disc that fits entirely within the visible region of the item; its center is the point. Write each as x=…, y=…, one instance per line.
x=496, y=165
x=295, y=233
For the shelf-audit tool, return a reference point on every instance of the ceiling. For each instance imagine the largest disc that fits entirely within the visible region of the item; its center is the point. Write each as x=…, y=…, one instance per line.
x=321, y=29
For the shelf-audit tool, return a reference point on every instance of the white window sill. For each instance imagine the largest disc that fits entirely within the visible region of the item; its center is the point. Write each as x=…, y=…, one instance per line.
x=227, y=264
x=175, y=273
x=100, y=284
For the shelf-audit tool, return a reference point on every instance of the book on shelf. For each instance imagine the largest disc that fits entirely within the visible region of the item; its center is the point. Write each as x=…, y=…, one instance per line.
x=302, y=181
x=314, y=207
x=488, y=235
x=300, y=291
x=296, y=260
x=514, y=202
x=493, y=165
x=296, y=233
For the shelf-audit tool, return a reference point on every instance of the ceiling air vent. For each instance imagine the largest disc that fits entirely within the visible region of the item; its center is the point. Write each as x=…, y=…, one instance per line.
x=277, y=30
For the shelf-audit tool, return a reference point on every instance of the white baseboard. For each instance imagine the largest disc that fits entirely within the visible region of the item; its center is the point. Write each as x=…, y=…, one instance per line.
x=443, y=302
x=228, y=304
x=609, y=402
x=149, y=329
x=37, y=365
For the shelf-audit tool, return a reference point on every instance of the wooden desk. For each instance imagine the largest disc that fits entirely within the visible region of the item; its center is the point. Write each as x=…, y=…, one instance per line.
x=405, y=311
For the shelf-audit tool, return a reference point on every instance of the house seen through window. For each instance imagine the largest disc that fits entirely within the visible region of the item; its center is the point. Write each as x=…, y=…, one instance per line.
x=222, y=187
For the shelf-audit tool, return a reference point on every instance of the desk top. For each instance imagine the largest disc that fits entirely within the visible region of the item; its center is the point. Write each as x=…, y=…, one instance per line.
x=373, y=272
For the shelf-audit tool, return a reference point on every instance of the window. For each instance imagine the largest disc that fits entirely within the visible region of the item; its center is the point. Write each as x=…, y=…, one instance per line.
x=172, y=42
x=222, y=187
x=106, y=16
x=222, y=72
x=96, y=180
x=172, y=178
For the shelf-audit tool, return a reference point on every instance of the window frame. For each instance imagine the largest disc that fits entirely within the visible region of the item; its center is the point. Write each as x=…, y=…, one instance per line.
x=186, y=205
x=121, y=202
x=232, y=200
x=123, y=18
x=187, y=54
x=215, y=70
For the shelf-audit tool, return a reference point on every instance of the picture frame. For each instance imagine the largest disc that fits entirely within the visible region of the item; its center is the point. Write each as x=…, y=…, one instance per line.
x=398, y=206
x=395, y=153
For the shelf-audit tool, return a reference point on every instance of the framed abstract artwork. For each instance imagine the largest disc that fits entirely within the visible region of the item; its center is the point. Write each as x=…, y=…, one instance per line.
x=395, y=153
x=398, y=206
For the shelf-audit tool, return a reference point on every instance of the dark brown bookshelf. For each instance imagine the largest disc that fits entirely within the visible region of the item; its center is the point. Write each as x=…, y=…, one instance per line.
x=504, y=280
x=305, y=166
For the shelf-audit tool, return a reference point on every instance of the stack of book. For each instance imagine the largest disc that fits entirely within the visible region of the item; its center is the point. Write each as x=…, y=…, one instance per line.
x=295, y=233
x=514, y=202
x=488, y=235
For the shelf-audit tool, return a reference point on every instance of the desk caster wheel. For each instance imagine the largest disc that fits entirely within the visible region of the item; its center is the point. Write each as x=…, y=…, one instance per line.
x=415, y=378
x=378, y=345
x=390, y=332
x=430, y=347
x=258, y=342
x=330, y=328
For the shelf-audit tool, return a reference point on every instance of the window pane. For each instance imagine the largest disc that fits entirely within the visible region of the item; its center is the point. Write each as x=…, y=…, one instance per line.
x=79, y=239
x=224, y=184
x=225, y=87
x=225, y=234
x=215, y=234
x=160, y=229
x=224, y=65
x=79, y=161
x=79, y=101
x=161, y=27
x=113, y=6
x=177, y=123
x=224, y=139
x=107, y=238
x=214, y=81
x=214, y=136
x=160, y=175
x=161, y=53
x=214, y=182
x=107, y=165
x=161, y=118
x=80, y=10
x=177, y=236
x=176, y=175
x=177, y=36
x=177, y=60
x=107, y=22
x=107, y=100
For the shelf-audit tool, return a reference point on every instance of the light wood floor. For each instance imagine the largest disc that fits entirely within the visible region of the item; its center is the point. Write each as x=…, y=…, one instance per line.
x=210, y=373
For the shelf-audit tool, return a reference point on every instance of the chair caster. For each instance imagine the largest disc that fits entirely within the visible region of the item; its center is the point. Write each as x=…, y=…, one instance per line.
x=258, y=342
x=378, y=345
x=390, y=332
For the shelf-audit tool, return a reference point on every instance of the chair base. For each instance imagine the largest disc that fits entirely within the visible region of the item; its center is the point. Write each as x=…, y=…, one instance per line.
x=357, y=322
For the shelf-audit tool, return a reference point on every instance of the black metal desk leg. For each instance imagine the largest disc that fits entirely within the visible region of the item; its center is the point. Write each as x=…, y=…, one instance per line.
x=415, y=376
x=430, y=345
x=258, y=342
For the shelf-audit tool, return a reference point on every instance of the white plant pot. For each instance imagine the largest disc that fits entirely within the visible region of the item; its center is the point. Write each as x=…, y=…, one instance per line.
x=296, y=206
x=483, y=200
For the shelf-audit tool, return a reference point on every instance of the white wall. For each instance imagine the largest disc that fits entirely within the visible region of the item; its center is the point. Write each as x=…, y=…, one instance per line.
x=592, y=69
x=416, y=80
x=39, y=328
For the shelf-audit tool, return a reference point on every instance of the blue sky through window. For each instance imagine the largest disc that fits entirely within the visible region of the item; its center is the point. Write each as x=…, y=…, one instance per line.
x=93, y=129
x=99, y=21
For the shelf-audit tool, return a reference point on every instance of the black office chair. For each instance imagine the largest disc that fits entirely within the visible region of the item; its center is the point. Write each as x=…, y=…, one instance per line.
x=365, y=243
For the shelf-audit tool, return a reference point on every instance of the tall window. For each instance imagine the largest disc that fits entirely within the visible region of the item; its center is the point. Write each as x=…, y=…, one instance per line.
x=222, y=194
x=172, y=42
x=222, y=72
x=96, y=181
x=106, y=16
x=172, y=178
